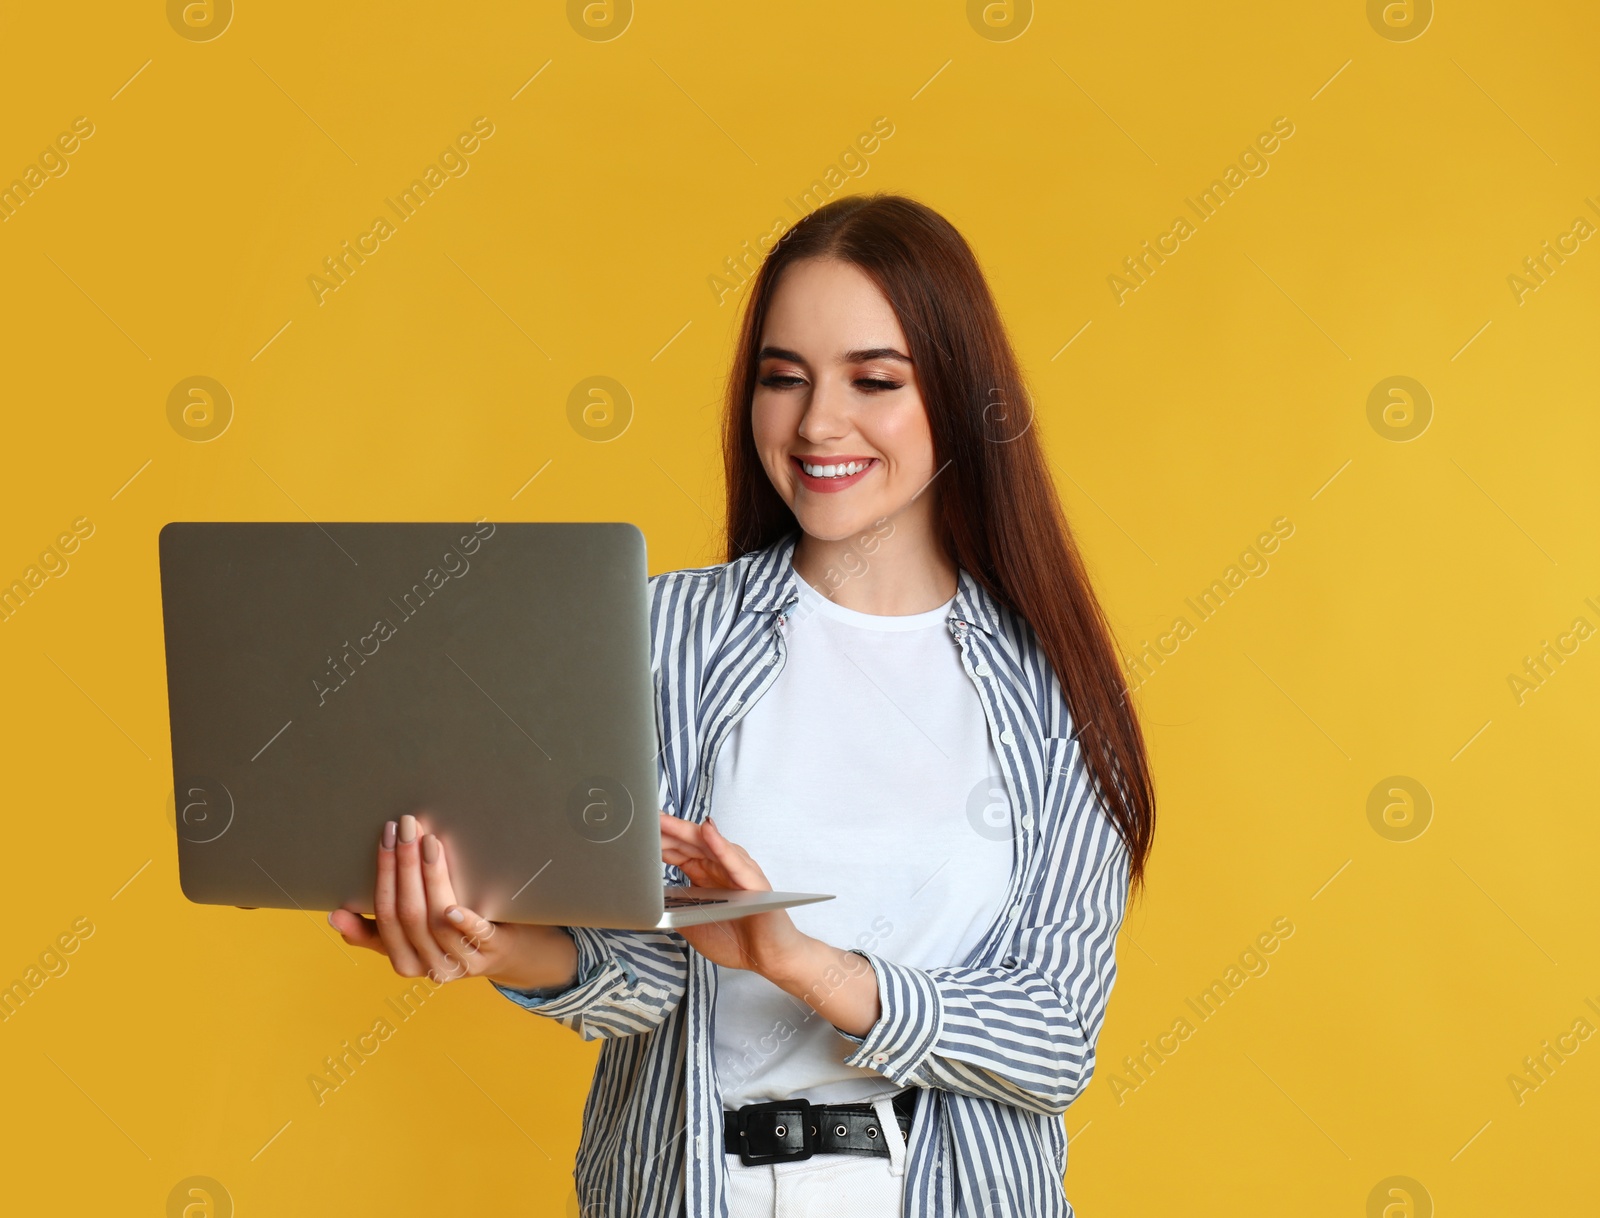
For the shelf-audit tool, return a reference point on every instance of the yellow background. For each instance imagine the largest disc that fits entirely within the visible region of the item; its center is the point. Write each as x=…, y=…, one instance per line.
x=1229, y=390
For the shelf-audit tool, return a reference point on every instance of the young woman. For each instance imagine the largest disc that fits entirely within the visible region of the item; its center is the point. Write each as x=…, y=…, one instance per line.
x=900, y=689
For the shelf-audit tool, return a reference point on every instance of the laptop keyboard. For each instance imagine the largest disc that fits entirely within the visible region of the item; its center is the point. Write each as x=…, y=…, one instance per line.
x=677, y=902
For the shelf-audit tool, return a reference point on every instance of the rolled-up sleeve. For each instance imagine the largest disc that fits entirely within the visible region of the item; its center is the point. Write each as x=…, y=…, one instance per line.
x=1022, y=1032
x=628, y=983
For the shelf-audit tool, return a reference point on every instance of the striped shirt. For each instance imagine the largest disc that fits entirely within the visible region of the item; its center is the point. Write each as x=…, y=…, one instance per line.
x=1002, y=1042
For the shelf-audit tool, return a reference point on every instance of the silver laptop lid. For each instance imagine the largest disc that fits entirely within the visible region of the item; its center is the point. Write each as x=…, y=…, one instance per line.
x=491, y=678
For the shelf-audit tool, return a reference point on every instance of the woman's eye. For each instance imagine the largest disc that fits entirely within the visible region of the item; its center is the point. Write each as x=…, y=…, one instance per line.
x=868, y=384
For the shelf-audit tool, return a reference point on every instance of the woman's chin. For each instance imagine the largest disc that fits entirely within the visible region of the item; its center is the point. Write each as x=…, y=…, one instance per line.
x=837, y=524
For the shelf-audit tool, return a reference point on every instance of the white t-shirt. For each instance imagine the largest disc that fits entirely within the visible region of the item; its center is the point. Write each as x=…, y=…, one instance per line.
x=865, y=771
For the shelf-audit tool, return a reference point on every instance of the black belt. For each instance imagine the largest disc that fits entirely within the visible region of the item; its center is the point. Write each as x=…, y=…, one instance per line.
x=784, y=1131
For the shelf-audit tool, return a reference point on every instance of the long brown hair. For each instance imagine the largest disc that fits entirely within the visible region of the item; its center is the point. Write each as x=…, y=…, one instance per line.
x=1003, y=521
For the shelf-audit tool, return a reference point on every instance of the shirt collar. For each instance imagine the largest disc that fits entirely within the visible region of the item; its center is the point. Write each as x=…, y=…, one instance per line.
x=770, y=586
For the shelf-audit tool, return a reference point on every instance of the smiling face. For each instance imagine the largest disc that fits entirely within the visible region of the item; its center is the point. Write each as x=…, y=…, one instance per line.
x=838, y=419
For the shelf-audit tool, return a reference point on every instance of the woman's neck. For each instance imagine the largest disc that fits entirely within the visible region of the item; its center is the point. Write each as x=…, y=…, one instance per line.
x=893, y=572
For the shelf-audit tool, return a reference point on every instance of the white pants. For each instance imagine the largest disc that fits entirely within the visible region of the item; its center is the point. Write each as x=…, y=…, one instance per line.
x=825, y=1185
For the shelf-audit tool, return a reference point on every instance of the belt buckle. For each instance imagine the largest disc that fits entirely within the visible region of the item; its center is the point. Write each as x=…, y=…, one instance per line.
x=791, y=1145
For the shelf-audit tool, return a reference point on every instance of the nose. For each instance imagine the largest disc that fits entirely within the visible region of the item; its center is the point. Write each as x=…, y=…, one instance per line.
x=827, y=412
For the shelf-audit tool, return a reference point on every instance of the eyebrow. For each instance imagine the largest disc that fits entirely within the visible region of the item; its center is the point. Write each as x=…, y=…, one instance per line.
x=850, y=357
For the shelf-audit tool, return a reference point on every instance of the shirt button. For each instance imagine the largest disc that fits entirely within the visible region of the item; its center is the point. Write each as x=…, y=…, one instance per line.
x=1027, y=820
x=982, y=669
x=879, y=1058
x=1007, y=738
x=699, y=1145
x=1016, y=911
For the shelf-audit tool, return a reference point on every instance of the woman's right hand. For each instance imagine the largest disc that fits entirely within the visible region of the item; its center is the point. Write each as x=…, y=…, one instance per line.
x=423, y=931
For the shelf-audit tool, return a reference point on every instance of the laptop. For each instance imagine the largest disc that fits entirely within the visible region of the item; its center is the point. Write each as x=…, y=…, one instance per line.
x=492, y=679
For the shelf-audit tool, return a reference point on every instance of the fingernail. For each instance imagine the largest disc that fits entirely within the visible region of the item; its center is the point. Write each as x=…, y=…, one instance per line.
x=331, y=922
x=430, y=849
x=455, y=915
x=408, y=828
x=388, y=835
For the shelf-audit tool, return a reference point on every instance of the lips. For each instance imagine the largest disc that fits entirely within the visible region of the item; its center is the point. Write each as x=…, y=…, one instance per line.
x=837, y=483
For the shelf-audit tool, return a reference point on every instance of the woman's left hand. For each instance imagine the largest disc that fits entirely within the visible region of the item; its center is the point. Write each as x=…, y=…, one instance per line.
x=762, y=942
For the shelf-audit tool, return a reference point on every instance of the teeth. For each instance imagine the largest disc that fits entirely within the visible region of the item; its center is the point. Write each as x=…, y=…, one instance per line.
x=834, y=471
